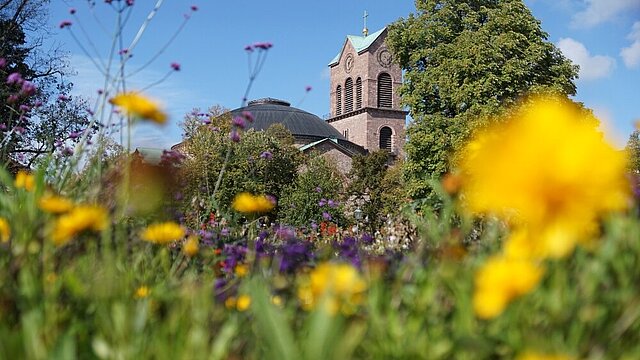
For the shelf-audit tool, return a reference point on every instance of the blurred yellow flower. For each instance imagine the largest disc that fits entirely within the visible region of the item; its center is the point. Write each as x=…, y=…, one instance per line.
x=163, y=233
x=81, y=218
x=24, y=180
x=55, y=204
x=5, y=230
x=334, y=286
x=537, y=356
x=500, y=280
x=137, y=105
x=191, y=246
x=243, y=303
x=549, y=169
x=141, y=292
x=241, y=270
x=247, y=203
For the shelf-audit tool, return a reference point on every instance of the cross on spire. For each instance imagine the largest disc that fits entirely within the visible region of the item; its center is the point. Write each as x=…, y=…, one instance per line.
x=365, y=31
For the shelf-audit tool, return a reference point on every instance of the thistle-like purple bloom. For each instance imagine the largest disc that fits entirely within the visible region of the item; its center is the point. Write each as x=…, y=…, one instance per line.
x=65, y=23
x=248, y=115
x=14, y=78
x=238, y=122
x=234, y=136
x=308, y=88
x=72, y=11
x=326, y=216
x=267, y=155
x=28, y=88
x=3, y=63
x=175, y=66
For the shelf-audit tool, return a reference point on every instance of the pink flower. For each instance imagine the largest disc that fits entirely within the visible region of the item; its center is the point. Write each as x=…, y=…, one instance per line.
x=234, y=136
x=3, y=63
x=308, y=88
x=14, y=78
x=238, y=122
x=175, y=66
x=248, y=115
x=63, y=97
x=28, y=88
x=194, y=8
x=65, y=23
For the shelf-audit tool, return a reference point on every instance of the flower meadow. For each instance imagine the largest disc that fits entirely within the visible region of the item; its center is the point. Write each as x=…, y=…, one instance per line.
x=533, y=253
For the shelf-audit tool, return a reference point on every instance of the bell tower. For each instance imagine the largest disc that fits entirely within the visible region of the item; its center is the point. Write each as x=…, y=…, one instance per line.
x=364, y=100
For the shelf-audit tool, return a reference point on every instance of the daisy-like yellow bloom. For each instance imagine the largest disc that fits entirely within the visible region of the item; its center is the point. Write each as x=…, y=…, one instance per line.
x=55, y=204
x=5, y=230
x=243, y=303
x=191, y=246
x=530, y=355
x=137, y=105
x=241, y=270
x=24, y=180
x=335, y=286
x=163, y=233
x=80, y=218
x=248, y=203
x=499, y=281
x=141, y=292
x=548, y=169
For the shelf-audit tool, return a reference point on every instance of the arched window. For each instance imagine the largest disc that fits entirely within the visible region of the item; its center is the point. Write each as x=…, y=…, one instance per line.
x=338, y=100
x=345, y=133
x=385, y=138
x=348, y=96
x=385, y=91
x=358, y=93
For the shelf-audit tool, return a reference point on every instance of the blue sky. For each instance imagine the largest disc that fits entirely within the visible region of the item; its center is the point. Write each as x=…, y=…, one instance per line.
x=603, y=36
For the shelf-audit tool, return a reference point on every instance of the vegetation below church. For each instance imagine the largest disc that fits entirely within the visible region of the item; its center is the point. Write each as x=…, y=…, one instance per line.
x=238, y=246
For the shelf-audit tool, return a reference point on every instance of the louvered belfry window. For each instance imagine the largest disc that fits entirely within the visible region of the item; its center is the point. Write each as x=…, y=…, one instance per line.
x=348, y=96
x=385, y=91
x=358, y=93
x=385, y=138
x=338, y=100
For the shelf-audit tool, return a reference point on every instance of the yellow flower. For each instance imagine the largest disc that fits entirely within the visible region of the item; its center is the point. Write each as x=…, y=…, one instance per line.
x=55, y=204
x=537, y=356
x=135, y=104
x=241, y=270
x=191, y=246
x=499, y=281
x=141, y=292
x=548, y=169
x=335, y=286
x=163, y=233
x=243, y=303
x=5, y=230
x=81, y=218
x=230, y=302
x=247, y=203
x=24, y=180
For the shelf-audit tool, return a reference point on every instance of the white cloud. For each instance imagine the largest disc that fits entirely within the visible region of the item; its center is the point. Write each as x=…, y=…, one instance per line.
x=631, y=54
x=591, y=67
x=599, y=11
x=608, y=127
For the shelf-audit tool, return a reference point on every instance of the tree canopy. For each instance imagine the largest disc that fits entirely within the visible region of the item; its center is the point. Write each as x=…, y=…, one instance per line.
x=465, y=61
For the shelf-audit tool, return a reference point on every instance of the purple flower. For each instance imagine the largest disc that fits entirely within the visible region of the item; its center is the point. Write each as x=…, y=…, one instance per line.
x=322, y=202
x=12, y=98
x=3, y=63
x=238, y=122
x=326, y=216
x=367, y=239
x=24, y=108
x=248, y=115
x=67, y=151
x=224, y=232
x=129, y=2
x=332, y=203
x=234, y=136
x=318, y=189
x=62, y=97
x=308, y=88
x=314, y=226
x=123, y=52
x=248, y=48
x=263, y=45
x=28, y=88
x=72, y=11
x=100, y=91
x=175, y=66
x=65, y=23
x=14, y=78
x=74, y=135
x=19, y=129
x=206, y=121
x=267, y=155
x=295, y=254
x=285, y=233
x=194, y=8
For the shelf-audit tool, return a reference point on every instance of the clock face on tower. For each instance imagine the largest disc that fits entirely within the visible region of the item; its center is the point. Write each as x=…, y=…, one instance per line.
x=348, y=63
x=384, y=57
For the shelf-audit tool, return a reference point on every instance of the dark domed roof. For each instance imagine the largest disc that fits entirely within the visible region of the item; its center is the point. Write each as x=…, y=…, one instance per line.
x=270, y=111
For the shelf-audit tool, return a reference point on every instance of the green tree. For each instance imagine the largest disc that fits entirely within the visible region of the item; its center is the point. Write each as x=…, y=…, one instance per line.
x=317, y=190
x=367, y=173
x=260, y=163
x=633, y=149
x=465, y=61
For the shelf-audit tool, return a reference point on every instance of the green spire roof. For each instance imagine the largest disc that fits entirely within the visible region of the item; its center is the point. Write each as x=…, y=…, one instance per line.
x=360, y=43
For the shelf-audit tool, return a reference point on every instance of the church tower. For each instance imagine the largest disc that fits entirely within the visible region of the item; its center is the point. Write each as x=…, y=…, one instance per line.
x=365, y=105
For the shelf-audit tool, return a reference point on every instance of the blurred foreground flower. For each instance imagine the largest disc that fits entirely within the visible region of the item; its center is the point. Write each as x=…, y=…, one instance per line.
x=5, y=230
x=24, y=180
x=500, y=280
x=549, y=170
x=163, y=233
x=137, y=105
x=333, y=286
x=81, y=218
x=538, y=356
x=247, y=203
x=55, y=204
x=191, y=246
x=141, y=292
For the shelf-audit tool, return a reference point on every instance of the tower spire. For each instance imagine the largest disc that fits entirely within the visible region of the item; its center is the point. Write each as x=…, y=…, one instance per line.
x=365, y=31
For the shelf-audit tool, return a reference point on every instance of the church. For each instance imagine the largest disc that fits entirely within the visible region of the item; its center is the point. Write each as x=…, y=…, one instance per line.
x=365, y=111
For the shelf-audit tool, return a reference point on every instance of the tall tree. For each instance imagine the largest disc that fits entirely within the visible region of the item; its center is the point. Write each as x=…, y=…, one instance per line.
x=464, y=61
x=633, y=150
